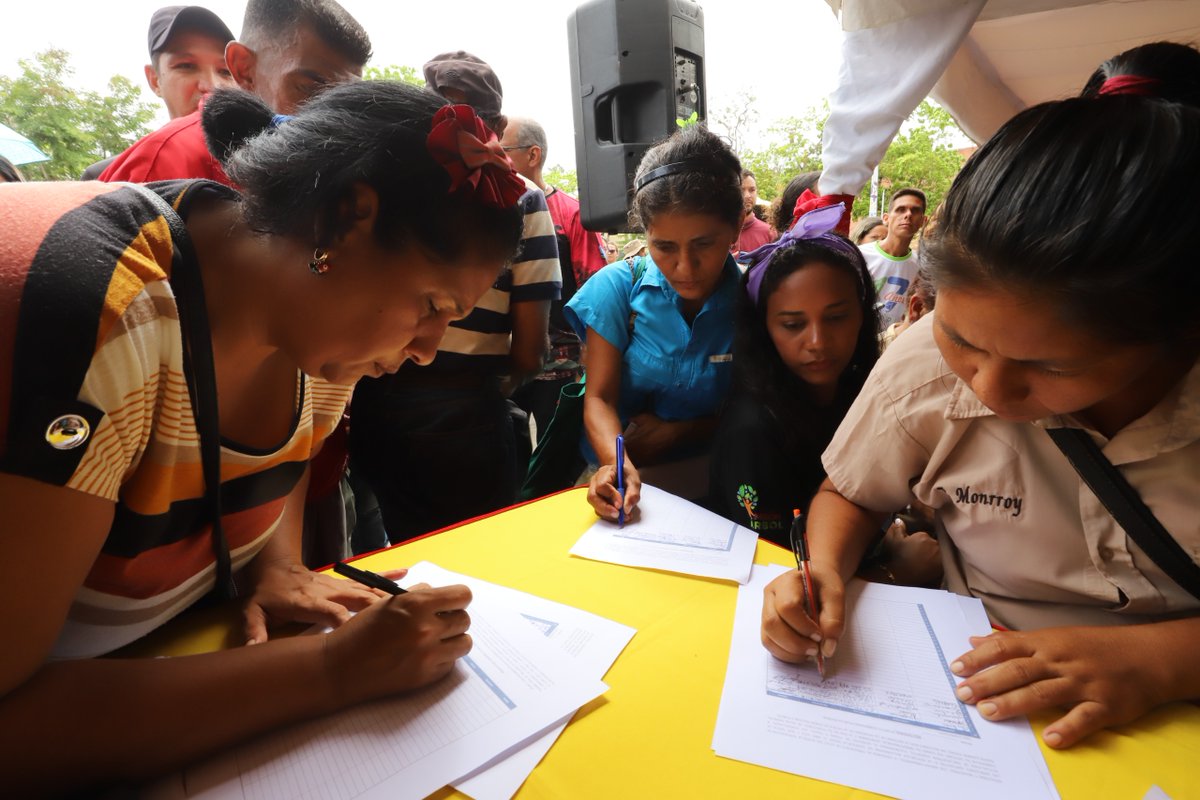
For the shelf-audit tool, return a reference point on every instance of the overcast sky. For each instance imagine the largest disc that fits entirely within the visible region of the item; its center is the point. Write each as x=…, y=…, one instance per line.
x=785, y=52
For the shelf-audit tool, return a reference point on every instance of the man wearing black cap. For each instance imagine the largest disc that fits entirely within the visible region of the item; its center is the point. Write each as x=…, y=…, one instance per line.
x=439, y=444
x=187, y=61
x=288, y=51
x=187, y=56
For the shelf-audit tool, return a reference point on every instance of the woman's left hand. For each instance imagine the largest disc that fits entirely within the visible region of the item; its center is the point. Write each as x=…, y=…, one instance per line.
x=1104, y=676
x=288, y=592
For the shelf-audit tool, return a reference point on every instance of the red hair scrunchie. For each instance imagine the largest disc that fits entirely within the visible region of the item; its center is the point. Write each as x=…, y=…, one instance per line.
x=1129, y=84
x=808, y=201
x=469, y=151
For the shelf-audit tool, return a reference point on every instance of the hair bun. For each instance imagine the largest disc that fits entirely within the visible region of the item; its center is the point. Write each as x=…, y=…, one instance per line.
x=231, y=117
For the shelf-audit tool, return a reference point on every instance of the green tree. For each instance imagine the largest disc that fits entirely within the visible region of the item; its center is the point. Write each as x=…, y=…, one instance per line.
x=394, y=72
x=921, y=156
x=795, y=148
x=75, y=128
x=560, y=177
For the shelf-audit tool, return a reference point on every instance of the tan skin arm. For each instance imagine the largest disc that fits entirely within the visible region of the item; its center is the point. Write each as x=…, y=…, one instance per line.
x=1100, y=675
x=839, y=533
x=89, y=723
x=530, y=340
x=600, y=419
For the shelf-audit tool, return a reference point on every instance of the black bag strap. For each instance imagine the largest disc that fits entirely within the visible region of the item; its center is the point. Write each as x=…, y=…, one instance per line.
x=200, y=371
x=1126, y=507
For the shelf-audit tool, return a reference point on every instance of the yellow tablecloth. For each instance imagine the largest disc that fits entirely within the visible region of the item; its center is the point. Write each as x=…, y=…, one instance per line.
x=650, y=735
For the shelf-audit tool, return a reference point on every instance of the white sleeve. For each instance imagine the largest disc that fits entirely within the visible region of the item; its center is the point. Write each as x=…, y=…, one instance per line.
x=886, y=72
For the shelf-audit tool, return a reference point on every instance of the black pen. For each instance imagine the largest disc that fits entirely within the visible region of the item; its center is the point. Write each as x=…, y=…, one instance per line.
x=368, y=578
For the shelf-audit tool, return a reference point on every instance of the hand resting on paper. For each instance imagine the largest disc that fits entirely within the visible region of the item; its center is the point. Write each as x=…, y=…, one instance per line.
x=285, y=591
x=399, y=644
x=788, y=632
x=1104, y=676
x=603, y=494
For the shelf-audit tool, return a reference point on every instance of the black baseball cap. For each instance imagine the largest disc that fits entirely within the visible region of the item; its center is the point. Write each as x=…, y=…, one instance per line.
x=166, y=21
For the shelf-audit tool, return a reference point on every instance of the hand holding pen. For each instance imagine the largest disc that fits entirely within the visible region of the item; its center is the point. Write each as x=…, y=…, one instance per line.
x=615, y=489
x=800, y=551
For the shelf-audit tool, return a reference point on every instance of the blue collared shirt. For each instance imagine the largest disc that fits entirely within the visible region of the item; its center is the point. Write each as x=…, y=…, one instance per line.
x=670, y=368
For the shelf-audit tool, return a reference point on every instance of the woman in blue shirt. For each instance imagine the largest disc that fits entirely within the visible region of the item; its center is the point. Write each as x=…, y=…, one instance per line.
x=659, y=335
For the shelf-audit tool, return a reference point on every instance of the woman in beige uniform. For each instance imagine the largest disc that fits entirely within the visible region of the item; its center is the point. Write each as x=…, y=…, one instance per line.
x=1066, y=300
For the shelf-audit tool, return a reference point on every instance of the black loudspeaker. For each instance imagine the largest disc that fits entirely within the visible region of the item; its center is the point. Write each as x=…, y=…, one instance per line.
x=637, y=66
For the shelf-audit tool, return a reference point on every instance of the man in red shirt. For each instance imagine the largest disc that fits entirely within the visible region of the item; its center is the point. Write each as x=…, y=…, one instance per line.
x=525, y=142
x=287, y=53
x=755, y=232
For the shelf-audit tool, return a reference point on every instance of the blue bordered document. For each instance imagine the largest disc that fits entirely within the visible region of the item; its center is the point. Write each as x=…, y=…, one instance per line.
x=885, y=718
x=669, y=533
x=516, y=683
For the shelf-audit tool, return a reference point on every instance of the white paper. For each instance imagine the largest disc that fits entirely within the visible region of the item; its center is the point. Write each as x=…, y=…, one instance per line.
x=671, y=534
x=512, y=686
x=591, y=642
x=885, y=719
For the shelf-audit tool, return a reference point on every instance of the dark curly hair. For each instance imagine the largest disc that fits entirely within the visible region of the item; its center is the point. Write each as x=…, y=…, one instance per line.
x=757, y=367
x=711, y=185
x=295, y=177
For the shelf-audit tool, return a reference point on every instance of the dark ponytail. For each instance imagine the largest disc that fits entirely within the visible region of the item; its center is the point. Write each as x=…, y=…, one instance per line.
x=230, y=119
x=1173, y=68
x=1082, y=201
x=295, y=177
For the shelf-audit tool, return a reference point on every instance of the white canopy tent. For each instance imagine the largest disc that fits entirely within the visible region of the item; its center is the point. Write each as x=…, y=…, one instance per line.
x=983, y=60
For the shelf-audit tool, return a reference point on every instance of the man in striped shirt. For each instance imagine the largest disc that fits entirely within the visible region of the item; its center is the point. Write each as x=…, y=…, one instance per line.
x=438, y=444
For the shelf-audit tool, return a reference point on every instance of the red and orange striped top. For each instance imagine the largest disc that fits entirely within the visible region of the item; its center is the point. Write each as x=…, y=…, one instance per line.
x=93, y=398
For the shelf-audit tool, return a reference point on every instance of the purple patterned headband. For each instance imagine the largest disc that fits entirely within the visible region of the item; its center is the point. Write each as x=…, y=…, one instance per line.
x=815, y=227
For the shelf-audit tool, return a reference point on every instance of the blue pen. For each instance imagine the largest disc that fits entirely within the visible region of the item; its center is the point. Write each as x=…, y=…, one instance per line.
x=621, y=479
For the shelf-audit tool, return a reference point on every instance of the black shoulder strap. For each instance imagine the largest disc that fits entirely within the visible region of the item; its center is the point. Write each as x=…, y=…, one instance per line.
x=1126, y=507
x=201, y=377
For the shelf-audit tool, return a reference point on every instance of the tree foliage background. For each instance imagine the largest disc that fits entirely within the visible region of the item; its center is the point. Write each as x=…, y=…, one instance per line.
x=923, y=154
x=74, y=127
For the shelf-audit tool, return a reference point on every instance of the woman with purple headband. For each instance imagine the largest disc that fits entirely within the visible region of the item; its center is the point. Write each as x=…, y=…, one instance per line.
x=806, y=337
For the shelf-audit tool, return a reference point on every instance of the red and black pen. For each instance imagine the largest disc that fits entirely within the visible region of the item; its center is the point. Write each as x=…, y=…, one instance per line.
x=800, y=549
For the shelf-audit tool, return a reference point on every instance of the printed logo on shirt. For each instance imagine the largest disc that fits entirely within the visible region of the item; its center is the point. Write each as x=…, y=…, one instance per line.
x=748, y=499
x=964, y=495
x=889, y=297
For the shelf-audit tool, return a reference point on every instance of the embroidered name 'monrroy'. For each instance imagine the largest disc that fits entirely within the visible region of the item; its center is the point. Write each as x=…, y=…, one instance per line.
x=964, y=496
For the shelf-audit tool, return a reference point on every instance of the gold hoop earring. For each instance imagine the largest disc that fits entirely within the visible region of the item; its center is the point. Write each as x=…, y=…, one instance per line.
x=319, y=264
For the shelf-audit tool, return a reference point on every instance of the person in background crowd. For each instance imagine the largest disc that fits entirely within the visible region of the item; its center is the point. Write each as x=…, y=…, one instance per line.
x=9, y=173
x=525, y=142
x=753, y=231
x=611, y=251
x=782, y=210
x=892, y=261
x=187, y=61
x=867, y=230
x=187, y=57
x=921, y=298
x=1055, y=323
x=443, y=444
x=295, y=287
x=289, y=51
x=634, y=249
x=658, y=334
x=579, y=256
